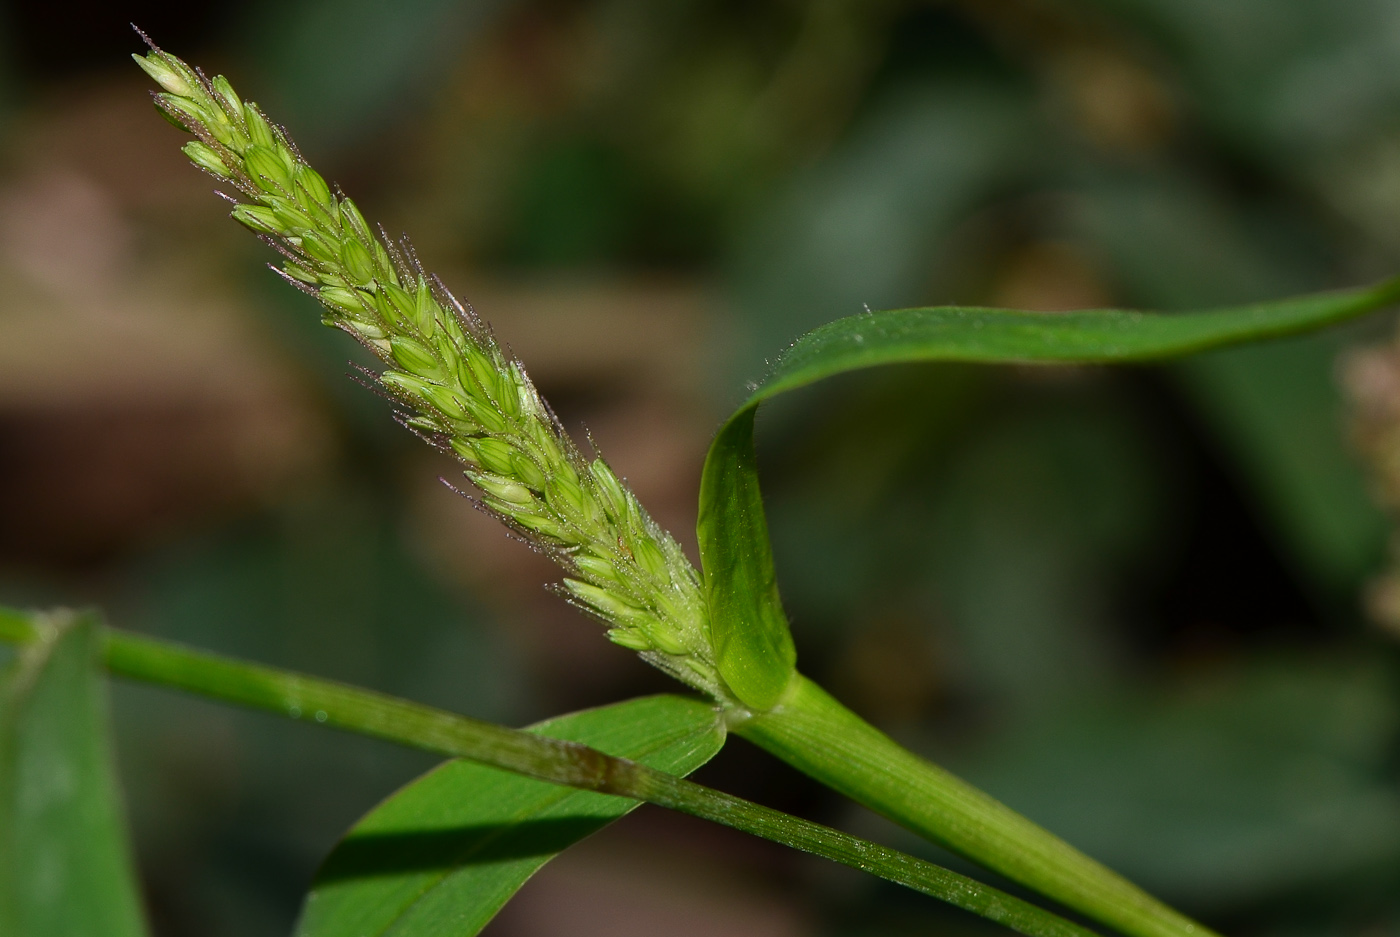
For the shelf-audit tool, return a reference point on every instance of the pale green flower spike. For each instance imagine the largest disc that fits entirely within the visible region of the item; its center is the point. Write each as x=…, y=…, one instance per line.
x=460, y=390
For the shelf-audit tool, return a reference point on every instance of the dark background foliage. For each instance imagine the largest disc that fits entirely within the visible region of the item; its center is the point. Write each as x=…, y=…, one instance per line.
x=1129, y=602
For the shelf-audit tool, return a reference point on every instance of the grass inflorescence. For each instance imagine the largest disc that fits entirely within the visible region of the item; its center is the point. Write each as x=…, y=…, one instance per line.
x=457, y=387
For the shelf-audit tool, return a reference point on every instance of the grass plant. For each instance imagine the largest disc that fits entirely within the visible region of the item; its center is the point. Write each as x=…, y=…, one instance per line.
x=721, y=630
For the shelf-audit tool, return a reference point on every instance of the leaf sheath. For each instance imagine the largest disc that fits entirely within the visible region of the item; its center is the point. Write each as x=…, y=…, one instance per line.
x=817, y=735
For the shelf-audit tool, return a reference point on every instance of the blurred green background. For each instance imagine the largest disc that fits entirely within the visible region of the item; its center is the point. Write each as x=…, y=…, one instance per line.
x=1131, y=603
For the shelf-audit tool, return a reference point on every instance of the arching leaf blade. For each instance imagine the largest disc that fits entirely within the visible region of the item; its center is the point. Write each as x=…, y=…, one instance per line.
x=444, y=854
x=749, y=630
x=731, y=524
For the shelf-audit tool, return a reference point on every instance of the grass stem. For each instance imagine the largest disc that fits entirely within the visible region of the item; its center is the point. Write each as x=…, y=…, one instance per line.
x=365, y=712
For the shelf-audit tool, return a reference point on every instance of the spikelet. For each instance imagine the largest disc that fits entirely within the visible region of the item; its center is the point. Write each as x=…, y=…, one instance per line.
x=458, y=389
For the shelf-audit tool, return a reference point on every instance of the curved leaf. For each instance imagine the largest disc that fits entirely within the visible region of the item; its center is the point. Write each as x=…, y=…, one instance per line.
x=445, y=853
x=65, y=864
x=749, y=631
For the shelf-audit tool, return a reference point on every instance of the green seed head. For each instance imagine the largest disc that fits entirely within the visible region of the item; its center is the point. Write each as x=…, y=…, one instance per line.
x=456, y=383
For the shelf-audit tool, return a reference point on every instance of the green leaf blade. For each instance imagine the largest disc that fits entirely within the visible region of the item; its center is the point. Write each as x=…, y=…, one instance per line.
x=65, y=862
x=749, y=630
x=446, y=852
x=995, y=336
